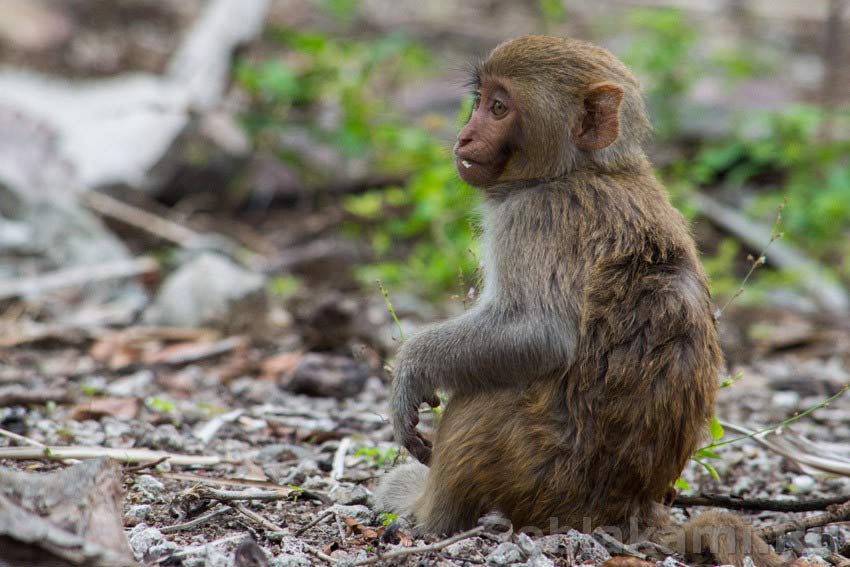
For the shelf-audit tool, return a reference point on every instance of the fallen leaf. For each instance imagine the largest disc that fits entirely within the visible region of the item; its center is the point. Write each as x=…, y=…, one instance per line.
x=356, y=527
x=280, y=365
x=95, y=408
x=116, y=350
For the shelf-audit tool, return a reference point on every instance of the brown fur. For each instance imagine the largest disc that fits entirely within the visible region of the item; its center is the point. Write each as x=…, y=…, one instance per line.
x=584, y=378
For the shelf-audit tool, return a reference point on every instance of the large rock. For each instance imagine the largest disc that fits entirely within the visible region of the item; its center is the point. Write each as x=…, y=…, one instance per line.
x=211, y=291
x=121, y=131
x=38, y=206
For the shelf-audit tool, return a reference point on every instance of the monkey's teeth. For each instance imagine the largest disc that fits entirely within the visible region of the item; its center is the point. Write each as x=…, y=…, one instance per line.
x=466, y=164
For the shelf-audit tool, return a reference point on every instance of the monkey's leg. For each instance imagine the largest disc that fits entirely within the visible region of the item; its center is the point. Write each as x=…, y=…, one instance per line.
x=482, y=461
x=451, y=501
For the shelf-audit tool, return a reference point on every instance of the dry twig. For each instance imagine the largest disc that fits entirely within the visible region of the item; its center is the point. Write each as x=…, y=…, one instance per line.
x=319, y=519
x=834, y=514
x=735, y=503
x=120, y=455
x=251, y=515
x=196, y=521
x=77, y=276
x=436, y=546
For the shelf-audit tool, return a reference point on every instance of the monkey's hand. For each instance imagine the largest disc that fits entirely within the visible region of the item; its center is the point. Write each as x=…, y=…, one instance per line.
x=408, y=394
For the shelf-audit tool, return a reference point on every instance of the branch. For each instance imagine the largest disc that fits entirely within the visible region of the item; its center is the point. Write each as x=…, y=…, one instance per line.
x=77, y=276
x=436, y=546
x=839, y=513
x=735, y=503
x=813, y=277
x=120, y=455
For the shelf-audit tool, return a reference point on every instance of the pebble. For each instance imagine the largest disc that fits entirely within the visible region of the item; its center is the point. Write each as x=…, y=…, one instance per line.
x=137, y=515
x=142, y=538
x=349, y=494
x=150, y=486
x=803, y=484
x=362, y=514
x=505, y=554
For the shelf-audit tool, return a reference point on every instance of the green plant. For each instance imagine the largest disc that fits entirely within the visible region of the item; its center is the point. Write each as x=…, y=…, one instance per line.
x=387, y=518
x=782, y=156
x=418, y=229
x=661, y=51
x=378, y=456
x=284, y=287
x=551, y=12
x=160, y=405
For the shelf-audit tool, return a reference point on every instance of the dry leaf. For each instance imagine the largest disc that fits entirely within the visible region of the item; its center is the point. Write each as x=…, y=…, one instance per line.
x=280, y=365
x=356, y=527
x=95, y=408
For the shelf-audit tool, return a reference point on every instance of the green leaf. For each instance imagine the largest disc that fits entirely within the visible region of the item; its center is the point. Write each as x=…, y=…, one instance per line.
x=715, y=429
x=681, y=484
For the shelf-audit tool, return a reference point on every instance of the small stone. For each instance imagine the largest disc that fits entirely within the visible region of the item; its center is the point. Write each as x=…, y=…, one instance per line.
x=133, y=386
x=786, y=399
x=803, y=484
x=281, y=452
x=142, y=538
x=505, y=554
x=213, y=291
x=540, y=561
x=328, y=375
x=288, y=474
x=585, y=548
x=463, y=548
x=349, y=495
x=363, y=514
x=162, y=549
x=527, y=545
x=291, y=560
x=215, y=558
x=150, y=486
x=137, y=515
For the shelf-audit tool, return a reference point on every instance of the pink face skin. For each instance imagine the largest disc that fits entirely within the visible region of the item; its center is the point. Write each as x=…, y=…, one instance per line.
x=482, y=147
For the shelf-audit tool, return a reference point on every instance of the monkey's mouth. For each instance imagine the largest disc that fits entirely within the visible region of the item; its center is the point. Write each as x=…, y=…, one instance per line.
x=466, y=162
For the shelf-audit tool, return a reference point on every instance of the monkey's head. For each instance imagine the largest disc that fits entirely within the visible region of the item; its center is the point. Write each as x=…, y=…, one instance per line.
x=545, y=106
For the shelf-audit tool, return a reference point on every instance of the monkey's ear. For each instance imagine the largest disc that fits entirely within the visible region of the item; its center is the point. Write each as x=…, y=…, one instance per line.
x=600, y=124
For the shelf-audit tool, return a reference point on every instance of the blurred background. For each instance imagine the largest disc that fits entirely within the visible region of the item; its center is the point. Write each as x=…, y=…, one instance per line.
x=260, y=166
x=209, y=205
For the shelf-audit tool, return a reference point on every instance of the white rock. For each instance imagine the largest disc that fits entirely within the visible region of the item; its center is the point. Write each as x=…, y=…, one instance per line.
x=803, y=484
x=786, y=399
x=152, y=487
x=505, y=554
x=142, y=538
x=137, y=514
x=210, y=290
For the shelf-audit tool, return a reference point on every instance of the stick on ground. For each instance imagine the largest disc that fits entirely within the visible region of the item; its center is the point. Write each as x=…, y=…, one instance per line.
x=733, y=503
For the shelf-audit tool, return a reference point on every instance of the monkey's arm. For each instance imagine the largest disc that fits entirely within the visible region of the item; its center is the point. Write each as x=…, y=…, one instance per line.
x=482, y=349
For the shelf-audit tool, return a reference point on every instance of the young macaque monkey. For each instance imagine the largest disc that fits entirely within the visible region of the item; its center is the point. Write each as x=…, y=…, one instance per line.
x=583, y=379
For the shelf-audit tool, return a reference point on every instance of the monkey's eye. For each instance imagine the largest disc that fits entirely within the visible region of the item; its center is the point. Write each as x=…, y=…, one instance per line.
x=499, y=108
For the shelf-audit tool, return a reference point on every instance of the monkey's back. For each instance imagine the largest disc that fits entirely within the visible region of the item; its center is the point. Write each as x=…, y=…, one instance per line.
x=602, y=442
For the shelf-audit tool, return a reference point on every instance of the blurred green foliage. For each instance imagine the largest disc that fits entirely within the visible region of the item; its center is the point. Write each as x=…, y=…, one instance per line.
x=773, y=154
x=780, y=155
x=661, y=52
x=419, y=229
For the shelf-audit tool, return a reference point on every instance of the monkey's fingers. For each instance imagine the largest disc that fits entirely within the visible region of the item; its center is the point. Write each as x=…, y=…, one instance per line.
x=416, y=446
x=433, y=401
x=425, y=441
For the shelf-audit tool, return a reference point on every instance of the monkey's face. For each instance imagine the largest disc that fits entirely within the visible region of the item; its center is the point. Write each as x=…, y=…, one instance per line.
x=484, y=144
x=547, y=106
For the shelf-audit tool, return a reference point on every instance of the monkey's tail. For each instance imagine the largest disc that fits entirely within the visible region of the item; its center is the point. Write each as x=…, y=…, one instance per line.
x=724, y=536
x=398, y=490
